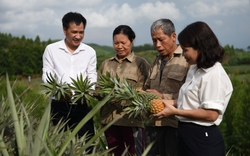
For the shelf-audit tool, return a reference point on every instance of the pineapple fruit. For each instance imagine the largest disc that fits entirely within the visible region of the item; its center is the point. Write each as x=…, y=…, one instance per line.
x=156, y=106
x=145, y=103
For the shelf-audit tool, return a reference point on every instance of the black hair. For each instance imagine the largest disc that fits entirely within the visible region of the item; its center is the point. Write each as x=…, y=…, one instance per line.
x=200, y=36
x=75, y=17
x=126, y=30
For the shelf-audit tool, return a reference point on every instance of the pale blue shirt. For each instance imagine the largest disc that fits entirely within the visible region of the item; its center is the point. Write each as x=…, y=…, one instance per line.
x=208, y=88
x=58, y=60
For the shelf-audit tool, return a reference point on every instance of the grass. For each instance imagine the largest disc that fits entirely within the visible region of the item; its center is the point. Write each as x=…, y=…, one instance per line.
x=241, y=71
x=238, y=68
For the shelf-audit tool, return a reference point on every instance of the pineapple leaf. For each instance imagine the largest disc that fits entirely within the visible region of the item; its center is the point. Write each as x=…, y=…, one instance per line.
x=82, y=89
x=54, y=88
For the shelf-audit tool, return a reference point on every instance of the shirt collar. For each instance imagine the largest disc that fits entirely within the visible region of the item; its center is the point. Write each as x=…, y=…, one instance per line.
x=63, y=46
x=128, y=58
x=178, y=50
x=207, y=69
x=177, y=53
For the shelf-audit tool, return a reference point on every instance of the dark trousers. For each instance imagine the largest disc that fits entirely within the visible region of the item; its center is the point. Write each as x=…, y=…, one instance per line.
x=121, y=137
x=165, y=141
x=74, y=114
x=196, y=140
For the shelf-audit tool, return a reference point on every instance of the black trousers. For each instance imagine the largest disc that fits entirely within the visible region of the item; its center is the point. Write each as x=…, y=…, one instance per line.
x=165, y=138
x=197, y=140
x=73, y=113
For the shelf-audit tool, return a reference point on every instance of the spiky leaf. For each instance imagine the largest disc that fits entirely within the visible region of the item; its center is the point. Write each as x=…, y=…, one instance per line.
x=60, y=90
x=83, y=90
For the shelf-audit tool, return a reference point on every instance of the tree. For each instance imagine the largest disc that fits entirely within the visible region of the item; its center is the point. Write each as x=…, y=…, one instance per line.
x=37, y=40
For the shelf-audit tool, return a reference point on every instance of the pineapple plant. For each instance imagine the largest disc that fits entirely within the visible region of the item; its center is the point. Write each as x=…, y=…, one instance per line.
x=82, y=90
x=135, y=102
x=60, y=90
x=106, y=83
x=79, y=91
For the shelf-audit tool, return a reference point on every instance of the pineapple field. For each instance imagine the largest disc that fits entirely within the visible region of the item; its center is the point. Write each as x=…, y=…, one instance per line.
x=26, y=134
x=26, y=130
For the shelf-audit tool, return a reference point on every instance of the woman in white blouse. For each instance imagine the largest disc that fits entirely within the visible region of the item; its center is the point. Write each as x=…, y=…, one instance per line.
x=204, y=96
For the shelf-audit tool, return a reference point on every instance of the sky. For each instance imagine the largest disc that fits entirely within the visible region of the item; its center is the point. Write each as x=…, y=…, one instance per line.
x=229, y=19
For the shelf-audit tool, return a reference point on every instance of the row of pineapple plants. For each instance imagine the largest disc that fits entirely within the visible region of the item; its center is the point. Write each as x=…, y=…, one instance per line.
x=23, y=134
x=135, y=102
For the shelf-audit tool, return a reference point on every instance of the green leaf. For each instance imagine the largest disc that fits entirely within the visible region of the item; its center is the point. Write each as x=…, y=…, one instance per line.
x=83, y=121
x=15, y=117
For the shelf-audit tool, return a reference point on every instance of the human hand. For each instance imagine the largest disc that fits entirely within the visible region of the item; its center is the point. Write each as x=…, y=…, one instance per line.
x=168, y=110
x=155, y=92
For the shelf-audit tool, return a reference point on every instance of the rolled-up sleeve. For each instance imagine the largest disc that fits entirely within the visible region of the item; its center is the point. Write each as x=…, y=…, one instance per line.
x=213, y=91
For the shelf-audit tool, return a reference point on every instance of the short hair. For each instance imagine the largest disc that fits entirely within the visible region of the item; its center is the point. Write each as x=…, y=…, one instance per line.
x=75, y=17
x=165, y=24
x=126, y=30
x=200, y=36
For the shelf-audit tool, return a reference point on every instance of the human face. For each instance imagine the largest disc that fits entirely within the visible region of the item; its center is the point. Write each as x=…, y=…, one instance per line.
x=74, y=35
x=164, y=44
x=190, y=54
x=122, y=45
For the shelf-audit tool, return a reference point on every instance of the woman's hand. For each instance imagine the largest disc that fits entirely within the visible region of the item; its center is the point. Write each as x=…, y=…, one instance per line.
x=168, y=110
x=196, y=114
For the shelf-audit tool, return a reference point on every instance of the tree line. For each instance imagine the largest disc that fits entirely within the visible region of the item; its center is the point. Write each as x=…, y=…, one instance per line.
x=23, y=56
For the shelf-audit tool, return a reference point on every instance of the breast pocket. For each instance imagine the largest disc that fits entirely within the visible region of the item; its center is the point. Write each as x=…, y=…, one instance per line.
x=132, y=79
x=175, y=81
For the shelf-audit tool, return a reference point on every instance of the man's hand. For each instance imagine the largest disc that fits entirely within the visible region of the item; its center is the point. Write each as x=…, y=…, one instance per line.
x=155, y=92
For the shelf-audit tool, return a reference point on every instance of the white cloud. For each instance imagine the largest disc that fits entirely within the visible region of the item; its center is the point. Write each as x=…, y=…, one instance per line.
x=37, y=4
x=202, y=9
x=157, y=10
x=220, y=7
x=236, y=6
x=43, y=17
x=29, y=20
x=116, y=14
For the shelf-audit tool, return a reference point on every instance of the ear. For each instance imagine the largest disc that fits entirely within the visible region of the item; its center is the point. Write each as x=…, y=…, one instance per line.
x=64, y=31
x=173, y=36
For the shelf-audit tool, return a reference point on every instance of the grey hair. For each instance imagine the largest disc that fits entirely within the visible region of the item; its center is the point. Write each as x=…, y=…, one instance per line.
x=165, y=24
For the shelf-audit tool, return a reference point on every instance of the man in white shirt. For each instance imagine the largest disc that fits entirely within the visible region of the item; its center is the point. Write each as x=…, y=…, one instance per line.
x=67, y=59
